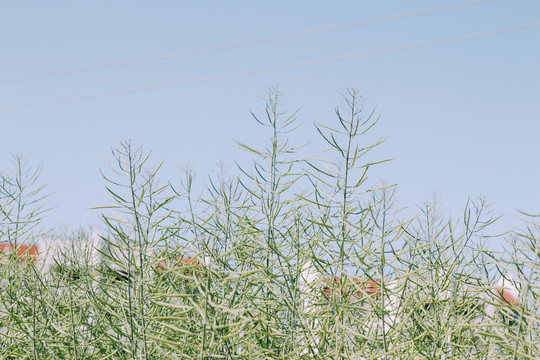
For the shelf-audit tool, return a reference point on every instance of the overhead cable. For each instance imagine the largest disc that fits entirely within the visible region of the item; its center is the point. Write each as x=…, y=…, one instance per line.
x=273, y=68
x=239, y=43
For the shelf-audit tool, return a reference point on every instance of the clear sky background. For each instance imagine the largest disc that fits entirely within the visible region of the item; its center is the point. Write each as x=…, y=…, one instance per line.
x=458, y=90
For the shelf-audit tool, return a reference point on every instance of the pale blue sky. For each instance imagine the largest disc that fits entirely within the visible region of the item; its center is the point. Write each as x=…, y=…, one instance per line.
x=461, y=117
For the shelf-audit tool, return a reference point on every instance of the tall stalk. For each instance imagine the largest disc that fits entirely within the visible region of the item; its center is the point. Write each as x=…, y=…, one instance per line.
x=268, y=262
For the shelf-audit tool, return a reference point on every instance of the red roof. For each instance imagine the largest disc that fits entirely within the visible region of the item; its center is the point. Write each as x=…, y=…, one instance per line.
x=25, y=253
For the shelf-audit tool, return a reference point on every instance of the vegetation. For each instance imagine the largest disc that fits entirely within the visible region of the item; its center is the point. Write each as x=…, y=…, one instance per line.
x=291, y=259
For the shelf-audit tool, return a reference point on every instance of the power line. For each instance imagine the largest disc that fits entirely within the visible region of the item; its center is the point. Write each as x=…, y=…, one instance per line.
x=240, y=43
x=273, y=68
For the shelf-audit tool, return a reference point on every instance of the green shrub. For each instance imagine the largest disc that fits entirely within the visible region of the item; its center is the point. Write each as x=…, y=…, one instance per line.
x=292, y=258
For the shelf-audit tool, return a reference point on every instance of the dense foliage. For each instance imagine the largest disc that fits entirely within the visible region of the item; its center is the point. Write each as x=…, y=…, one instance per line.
x=277, y=262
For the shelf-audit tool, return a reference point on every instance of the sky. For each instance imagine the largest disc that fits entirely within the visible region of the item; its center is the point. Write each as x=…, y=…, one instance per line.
x=456, y=83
